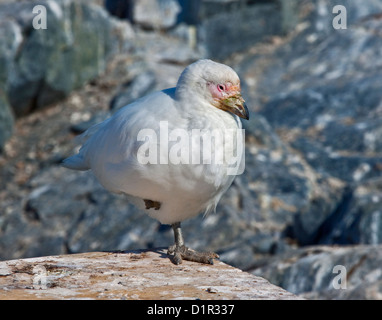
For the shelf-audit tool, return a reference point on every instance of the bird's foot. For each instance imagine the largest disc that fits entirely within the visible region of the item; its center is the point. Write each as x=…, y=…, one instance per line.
x=182, y=252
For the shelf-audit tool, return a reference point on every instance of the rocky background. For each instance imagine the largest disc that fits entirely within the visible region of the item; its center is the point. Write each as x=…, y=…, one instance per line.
x=310, y=198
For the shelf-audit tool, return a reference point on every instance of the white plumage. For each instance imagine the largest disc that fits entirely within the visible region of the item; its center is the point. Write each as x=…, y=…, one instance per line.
x=172, y=184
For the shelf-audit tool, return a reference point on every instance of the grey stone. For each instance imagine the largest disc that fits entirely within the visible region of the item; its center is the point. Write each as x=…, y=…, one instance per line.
x=336, y=128
x=357, y=220
x=141, y=85
x=50, y=63
x=252, y=24
x=133, y=275
x=10, y=39
x=156, y=14
x=6, y=121
x=311, y=273
x=320, y=93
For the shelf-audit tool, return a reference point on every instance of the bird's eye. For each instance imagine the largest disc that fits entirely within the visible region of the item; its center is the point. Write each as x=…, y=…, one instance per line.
x=221, y=87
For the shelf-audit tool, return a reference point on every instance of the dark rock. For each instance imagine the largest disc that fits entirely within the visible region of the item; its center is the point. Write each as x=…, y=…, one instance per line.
x=310, y=272
x=320, y=93
x=10, y=38
x=190, y=11
x=51, y=62
x=6, y=121
x=226, y=33
x=358, y=218
x=123, y=9
x=336, y=128
x=287, y=189
x=210, y=8
x=68, y=212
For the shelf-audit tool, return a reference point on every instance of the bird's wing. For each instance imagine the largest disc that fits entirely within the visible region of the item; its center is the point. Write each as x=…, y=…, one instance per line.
x=110, y=147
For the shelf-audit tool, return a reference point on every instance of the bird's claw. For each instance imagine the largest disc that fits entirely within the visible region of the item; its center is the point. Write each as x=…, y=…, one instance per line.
x=181, y=253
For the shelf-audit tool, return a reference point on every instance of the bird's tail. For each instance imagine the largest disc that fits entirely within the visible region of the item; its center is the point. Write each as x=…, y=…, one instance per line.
x=78, y=162
x=75, y=162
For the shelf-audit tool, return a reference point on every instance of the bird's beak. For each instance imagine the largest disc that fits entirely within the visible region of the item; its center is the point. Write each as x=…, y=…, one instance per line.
x=236, y=105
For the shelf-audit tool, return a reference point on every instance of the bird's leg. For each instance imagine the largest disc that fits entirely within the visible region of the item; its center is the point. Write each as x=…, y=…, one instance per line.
x=180, y=251
x=179, y=244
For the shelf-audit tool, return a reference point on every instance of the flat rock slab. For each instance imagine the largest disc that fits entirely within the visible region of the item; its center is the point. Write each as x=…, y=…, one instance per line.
x=143, y=274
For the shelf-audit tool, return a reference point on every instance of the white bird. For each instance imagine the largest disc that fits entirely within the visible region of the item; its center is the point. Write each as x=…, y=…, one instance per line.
x=156, y=149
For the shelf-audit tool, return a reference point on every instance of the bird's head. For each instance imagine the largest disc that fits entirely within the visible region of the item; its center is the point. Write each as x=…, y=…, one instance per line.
x=216, y=83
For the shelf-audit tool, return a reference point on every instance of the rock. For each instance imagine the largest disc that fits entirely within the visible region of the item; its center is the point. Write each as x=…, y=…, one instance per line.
x=84, y=216
x=141, y=85
x=318, y=15
x=324, y=113
x=190, y=11
x=210, y=8
x=10, y=39
x=6, y=121
x=230, y=26
x=156, y=14
x=121, y=8
x=315, y=272
x=51, y=62
x=357, y=220
x=252, y=24
x=289, y=195
x=320, y=92
x=130, y=275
